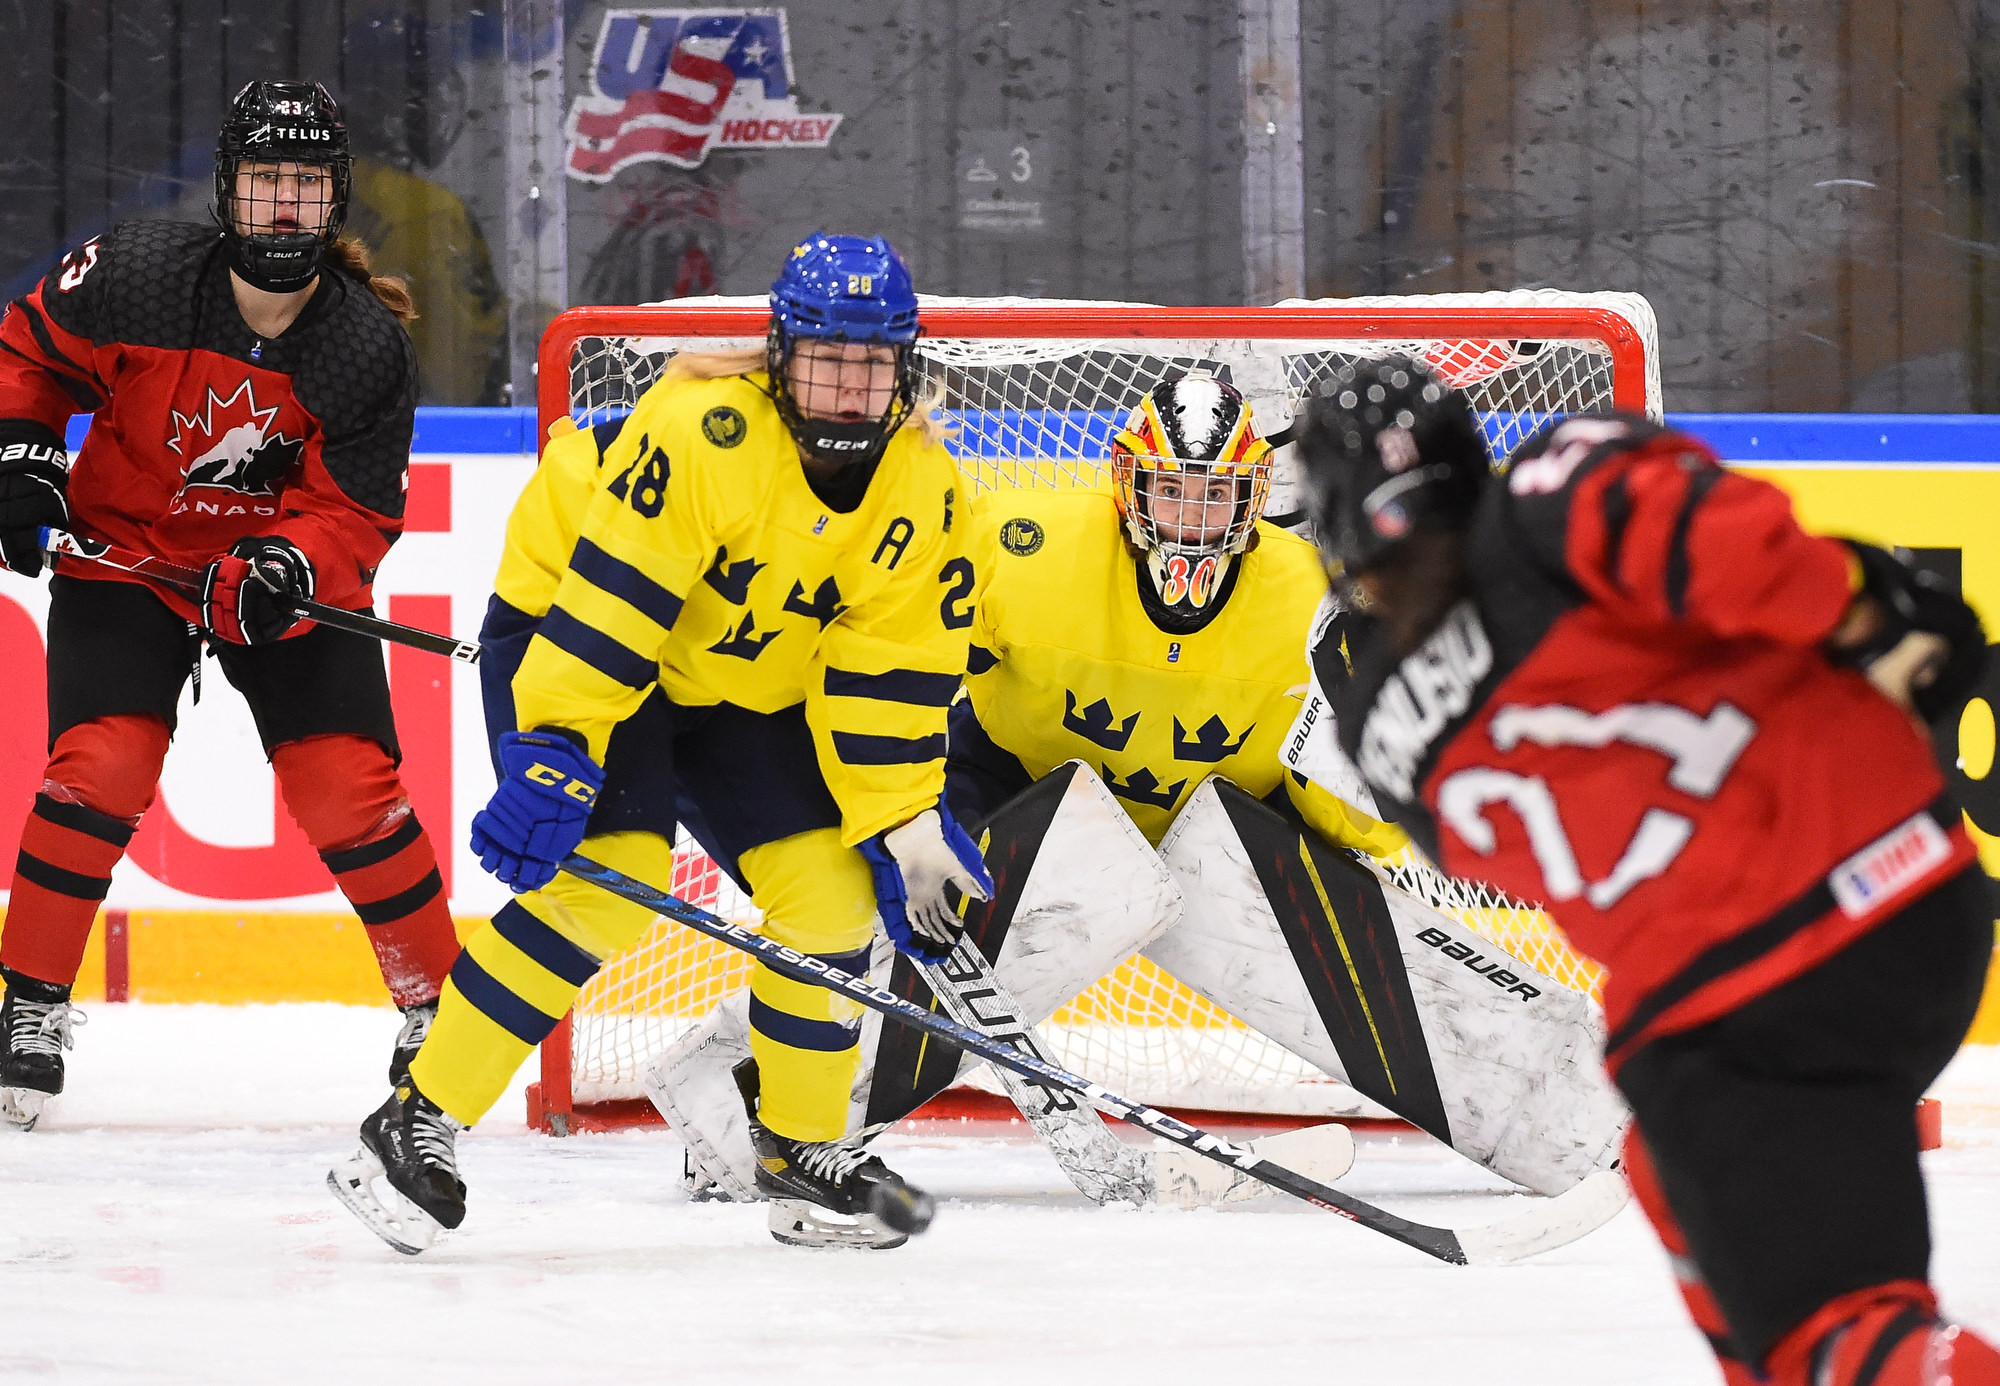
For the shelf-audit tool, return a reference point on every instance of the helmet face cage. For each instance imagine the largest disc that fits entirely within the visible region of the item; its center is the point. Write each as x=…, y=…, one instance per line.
x=836, y=294
x=1184, y=436
x=283, y=177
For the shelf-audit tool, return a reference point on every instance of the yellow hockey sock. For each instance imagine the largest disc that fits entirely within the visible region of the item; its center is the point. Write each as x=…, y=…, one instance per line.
x=818, y=897
x=520, y=973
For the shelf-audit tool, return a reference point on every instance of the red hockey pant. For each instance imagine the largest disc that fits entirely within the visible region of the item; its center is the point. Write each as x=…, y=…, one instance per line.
x=342, y=791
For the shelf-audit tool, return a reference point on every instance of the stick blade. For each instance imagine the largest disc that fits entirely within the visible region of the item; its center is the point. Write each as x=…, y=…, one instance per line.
x=1555, y=1222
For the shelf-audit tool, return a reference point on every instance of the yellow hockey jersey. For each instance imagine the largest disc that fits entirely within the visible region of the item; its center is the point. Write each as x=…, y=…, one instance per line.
x=542, y=529
x=1067, y=665
x=706, y=564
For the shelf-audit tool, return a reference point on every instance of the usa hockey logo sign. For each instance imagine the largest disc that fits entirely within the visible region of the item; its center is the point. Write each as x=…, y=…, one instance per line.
x=668, y=86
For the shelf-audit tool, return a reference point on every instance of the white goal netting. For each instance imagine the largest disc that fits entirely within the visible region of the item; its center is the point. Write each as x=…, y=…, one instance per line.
x=1035, y=409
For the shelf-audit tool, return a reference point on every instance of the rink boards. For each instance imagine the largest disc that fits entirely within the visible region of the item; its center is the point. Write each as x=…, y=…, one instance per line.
x=220, y=898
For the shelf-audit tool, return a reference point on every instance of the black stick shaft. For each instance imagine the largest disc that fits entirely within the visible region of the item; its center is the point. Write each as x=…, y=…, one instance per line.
x=1440, y=1242
x=188, y=581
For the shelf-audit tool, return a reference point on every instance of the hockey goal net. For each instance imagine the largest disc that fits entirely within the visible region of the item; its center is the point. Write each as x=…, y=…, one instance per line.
x=1033, y=390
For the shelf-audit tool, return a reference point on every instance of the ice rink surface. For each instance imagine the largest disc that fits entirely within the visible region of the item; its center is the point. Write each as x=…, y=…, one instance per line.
x=169, y=1222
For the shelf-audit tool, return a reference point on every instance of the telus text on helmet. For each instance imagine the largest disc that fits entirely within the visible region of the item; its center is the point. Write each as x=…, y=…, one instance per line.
x=264, y=134
x=1430, y=689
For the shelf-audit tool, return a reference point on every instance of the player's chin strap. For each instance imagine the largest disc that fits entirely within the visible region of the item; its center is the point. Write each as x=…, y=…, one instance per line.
x=1548, y=1225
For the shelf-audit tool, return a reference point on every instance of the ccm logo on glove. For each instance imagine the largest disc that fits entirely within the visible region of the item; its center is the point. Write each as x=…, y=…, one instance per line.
x=575, y=788
x=538, y=815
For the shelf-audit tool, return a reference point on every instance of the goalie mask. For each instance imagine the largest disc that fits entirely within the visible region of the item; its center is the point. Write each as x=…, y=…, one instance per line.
x=843, y=321
x=1191, y=478
x=282, y=179
x=1388, y=448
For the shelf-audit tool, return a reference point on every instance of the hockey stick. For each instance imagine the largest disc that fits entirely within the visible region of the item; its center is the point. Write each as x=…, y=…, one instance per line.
x=188, y=582
x=1102, y=1167
x=1556, y=1222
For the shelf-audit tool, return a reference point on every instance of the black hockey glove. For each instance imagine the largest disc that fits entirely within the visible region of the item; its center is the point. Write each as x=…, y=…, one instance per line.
x=1930, y=649
x=249, y=595
x=34, y=479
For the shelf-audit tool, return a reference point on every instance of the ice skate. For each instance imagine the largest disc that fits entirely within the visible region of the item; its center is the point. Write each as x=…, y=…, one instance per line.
x=31, y=1067
x=417, y=1021
x=833, y=1193
x=408, y=1145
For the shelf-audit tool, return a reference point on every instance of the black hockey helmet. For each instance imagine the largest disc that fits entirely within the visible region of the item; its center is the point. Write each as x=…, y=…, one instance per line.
x=1388, y=448
x=281, y=123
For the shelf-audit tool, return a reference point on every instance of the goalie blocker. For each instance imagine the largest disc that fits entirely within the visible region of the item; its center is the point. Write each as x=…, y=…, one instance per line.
x=1255, y=913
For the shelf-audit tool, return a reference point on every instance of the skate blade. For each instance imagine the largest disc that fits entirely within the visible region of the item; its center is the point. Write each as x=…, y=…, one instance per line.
x=396, y=1220
x=798, y=1223
x=1186, y=1180
x=21, y=1108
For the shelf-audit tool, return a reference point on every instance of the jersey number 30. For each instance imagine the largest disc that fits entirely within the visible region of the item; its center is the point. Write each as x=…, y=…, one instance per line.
x=1702, y=751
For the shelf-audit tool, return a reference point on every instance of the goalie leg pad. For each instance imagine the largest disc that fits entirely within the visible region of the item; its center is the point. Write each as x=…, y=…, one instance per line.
x=1301, y=942
x=1077, y=891
x=693, y=1086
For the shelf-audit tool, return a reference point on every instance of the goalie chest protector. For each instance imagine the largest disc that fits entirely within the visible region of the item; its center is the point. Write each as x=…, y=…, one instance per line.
x=1629, y=720
x=1066, y=664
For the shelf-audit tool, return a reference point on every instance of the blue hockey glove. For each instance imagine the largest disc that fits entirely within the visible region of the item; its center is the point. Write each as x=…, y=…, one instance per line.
x=912, y=865
x=537, y=815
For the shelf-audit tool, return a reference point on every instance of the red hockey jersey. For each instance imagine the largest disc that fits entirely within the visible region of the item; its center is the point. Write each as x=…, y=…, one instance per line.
x=204, y=432
x=1629, y=719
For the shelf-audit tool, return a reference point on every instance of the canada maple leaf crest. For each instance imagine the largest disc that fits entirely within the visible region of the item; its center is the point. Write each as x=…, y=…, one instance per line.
x=227, y=443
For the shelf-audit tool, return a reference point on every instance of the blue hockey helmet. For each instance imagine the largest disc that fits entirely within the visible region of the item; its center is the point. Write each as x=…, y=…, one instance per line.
x=853, y=288
x=842, y=291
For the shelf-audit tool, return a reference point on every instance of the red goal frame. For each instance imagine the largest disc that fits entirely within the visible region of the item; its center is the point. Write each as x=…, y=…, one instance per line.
x=551, y=1102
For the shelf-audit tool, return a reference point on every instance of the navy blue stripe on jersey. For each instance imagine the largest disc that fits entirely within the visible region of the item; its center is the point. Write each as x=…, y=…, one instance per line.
x=800, y=1033
x=1617, y=515
x=607, y=433
x=1699, y=485
x=542, y=943
x=857, y=748
x=897, y=686
x=978, y=659
x=598, y=650
x=625, y=582
x=499, y=1005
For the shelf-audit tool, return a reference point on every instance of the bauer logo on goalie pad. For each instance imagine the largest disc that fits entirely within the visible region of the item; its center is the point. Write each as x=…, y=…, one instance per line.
x=1478, y=962
x=668, y=86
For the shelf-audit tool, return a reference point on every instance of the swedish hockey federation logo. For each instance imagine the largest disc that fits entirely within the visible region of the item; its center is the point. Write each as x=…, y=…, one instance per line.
x=228, y=444
x=668, y=86
x=724, y=427
x=1021, y=536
